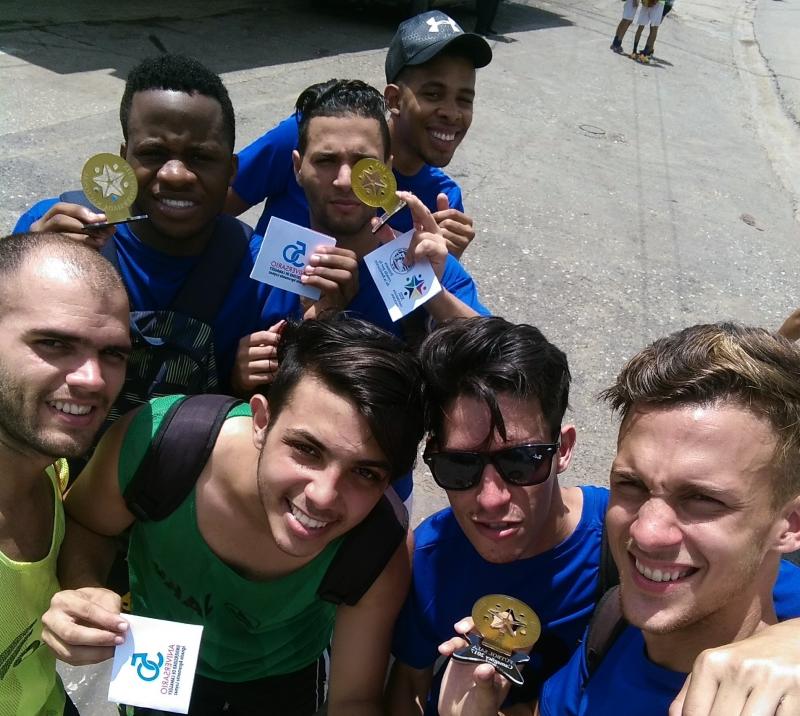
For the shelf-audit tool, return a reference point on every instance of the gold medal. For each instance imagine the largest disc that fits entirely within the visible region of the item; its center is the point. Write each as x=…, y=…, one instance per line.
x=374, y=184
x=110, y=184
x=505, y=626
x=505, y=623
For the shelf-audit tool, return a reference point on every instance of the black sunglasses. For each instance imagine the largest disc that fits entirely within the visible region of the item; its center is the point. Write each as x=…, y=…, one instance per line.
x=519, y=465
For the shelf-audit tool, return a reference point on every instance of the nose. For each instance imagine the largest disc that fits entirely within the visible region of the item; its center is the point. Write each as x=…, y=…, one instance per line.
x=493, y=492
x=656, y=526
x=87, y=374
x=342, y=179
x=449, y=109
x=174, y=171
x=322, y=492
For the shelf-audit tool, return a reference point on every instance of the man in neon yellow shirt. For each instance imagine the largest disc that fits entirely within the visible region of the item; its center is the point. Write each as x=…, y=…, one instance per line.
x=64, y=341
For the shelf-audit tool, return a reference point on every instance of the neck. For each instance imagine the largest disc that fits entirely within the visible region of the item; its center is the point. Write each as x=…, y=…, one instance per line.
x=152, y=237
x=566, y=507
x=678, y=650
x=22, y=471
x=404, y=161
x=360, y=243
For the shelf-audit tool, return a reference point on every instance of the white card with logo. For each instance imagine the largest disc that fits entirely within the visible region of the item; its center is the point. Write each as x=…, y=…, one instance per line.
x=154, y=667
x=284, y=253
x=402, y=288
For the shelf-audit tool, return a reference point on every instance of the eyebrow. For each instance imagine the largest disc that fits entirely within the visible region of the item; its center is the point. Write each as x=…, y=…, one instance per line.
x=301, y=434
x=64, y=337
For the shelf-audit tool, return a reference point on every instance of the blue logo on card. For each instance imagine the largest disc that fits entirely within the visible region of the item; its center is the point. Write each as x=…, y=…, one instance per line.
x=147, y=665
x=293, y=253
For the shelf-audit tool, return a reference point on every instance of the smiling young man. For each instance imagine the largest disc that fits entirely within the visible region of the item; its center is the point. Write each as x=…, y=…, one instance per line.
x=498, y=393
x=246, y=551
x=430, y=76
x=703, y=503
x=341, y=125
x=63, y=346
x=186, y=267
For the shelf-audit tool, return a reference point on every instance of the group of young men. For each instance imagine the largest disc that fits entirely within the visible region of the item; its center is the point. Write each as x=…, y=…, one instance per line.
x=302, y=570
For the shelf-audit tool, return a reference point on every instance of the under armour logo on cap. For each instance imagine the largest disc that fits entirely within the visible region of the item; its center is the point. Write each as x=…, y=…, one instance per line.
x=422, y=37
x=433, y=24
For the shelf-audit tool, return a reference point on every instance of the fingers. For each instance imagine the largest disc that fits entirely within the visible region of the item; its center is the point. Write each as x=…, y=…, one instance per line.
x=422, y=217
x=462, y=627
x=334, y=271
x=71, y=219
x=442, y=202
x=84, y=626
x=457, y=229
x=385, y=234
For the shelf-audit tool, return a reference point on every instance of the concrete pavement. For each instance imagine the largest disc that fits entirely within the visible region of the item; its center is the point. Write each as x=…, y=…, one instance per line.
x=614, y=201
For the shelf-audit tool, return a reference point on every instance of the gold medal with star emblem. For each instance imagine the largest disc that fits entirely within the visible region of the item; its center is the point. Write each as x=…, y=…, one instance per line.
x=110, y=184
x=374, y=184
x=505, y=628
x=505, y=623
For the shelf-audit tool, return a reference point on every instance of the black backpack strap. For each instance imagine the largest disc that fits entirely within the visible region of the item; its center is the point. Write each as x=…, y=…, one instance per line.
x=177, y=454
x=606, y=625
x=366, y=550
x=210, y=280
x=608, y=576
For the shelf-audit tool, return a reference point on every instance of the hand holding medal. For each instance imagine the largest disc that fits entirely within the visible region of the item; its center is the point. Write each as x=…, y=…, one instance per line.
x=506, y=629
x=110, y=184
x=374, y=184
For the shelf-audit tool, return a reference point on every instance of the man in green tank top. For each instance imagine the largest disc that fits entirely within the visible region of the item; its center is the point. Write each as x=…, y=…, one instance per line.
x=64, y=341
x=289, y=476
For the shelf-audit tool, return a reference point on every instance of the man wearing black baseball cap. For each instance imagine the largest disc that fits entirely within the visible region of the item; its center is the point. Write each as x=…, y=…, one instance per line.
x=430, y=73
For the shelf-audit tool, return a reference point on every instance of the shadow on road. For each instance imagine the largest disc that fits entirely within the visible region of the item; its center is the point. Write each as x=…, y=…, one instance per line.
x=228, y=35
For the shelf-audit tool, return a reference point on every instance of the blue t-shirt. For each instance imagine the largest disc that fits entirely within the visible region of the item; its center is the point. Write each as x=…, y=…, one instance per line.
x=368, y=304
x=153, y=280
x=448, y=576
x=266, y=172
x=626, y=676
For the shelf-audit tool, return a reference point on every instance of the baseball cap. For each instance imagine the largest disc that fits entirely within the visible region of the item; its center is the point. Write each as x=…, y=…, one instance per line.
x=424, y=36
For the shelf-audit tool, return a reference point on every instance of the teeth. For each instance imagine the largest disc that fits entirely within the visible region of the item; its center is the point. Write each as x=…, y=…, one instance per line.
x=305, y=520
x=658, y=575
x=71, y=408
x=177, y=203
x=444, y=137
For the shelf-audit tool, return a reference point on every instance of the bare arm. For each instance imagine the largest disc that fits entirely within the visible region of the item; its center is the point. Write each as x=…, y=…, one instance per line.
x=759, y=675
x=407, y=690
x=362, y=640
x=83, y=623
x=234, y=204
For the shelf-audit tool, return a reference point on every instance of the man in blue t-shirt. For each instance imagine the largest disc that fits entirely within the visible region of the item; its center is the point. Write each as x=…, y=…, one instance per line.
x=500, y=391
x=179, y=134
x=430, y=75
x=704, y=501
x=338, y=128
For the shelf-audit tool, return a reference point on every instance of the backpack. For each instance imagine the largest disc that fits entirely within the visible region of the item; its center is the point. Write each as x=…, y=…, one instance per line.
x=176, y=457
x=173, y=349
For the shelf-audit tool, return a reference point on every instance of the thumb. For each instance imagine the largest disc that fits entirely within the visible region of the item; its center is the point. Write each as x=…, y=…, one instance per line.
x=442, y=202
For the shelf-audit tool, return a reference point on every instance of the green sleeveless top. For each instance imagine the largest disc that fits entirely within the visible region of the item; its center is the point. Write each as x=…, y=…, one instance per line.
x=28, y=680
x=252, y=629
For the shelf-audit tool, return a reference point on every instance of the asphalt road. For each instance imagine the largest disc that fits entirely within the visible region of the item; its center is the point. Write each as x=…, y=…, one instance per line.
x=614, y=201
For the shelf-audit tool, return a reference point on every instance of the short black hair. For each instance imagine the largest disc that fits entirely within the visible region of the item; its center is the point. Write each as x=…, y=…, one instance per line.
x=339, y=98
x=181, y=74
x=364, y=364
x=484, y=357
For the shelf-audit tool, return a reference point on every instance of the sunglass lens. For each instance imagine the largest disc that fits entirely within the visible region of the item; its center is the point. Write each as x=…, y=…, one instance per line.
x=456, y=471
x=524, y=465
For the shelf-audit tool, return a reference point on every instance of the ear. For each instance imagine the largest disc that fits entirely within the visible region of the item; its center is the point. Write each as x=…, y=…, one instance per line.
x=788, y=538
x=297, y=160
x=566, y=446
x=260, y=408
x=392, y=96
x=234, y=168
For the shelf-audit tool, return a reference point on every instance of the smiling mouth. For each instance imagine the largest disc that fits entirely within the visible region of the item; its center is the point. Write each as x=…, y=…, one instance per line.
x=176, y=203
x=305, y=520
x=65, y=406
x=443, y=136
x=663, y=575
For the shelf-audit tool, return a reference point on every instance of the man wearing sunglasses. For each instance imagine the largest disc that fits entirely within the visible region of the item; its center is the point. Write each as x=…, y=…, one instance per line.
x=498, y=393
